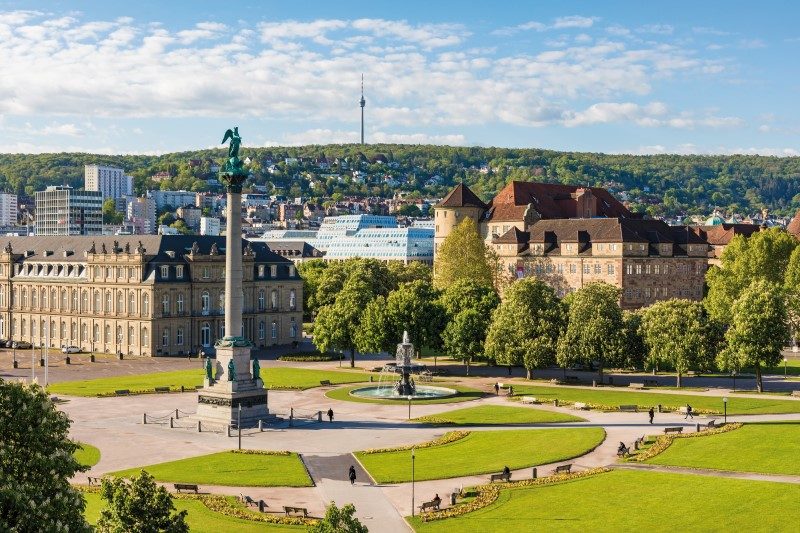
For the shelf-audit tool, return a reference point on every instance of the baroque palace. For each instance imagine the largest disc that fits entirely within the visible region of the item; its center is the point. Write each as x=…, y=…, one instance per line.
x=141, y=295
x=569, y=236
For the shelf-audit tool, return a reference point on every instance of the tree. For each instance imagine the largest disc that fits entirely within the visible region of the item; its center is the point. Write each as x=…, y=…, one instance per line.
x=411, y=272
x=408, y=210
x=337, y=324
x=373, y=335
x=674, y=332
x=339, y=521
x=758, y=330
x=525, y=327
x=36, y=464
x=181, y=226
x=110, y=213
x=139, y=505
x=595, y=330
x=469, y=294
x=462, y=255
x=635, y=348
x=311, y=271
x=413, y=307
x=791, y=287
x=374, y=274
x=464, y=336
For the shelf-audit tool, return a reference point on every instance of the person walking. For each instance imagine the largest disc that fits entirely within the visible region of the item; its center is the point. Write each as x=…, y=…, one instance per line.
x=497, y=388
x=688, y=412
x=352, y=475
x=651, y=413
x=330, y=414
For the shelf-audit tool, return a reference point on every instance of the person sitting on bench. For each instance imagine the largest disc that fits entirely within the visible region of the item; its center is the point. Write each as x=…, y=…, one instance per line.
x=622, y=449
x=506, y=471
x=437, y=500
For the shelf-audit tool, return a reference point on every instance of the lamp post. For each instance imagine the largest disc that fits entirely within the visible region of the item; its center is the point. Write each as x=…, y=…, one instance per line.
x=785, y=374
x=14, y=348
x=239, y=425
x=412, y=480
x=409, y=407
x=725, y=408
x=733, y=373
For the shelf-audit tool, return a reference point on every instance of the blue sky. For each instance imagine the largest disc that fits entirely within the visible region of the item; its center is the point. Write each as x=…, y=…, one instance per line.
x=632, y=77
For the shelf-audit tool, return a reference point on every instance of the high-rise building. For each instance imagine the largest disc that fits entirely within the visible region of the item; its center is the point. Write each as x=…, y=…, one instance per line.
x=141, y=214
x=110, y=181
x=60, y=210
x=8, y=209
x=209, y=226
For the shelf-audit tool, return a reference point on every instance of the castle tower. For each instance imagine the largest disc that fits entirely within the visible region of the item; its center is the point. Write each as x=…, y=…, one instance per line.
x=460, y=203
x=362, y=102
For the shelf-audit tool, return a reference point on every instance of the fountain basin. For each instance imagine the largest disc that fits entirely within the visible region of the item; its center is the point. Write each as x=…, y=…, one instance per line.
x=421, y=392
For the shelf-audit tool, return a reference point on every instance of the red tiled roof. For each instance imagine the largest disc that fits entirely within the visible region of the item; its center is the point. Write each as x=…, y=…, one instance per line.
x=794, y=225
x=461, y=196
x=550, y=200
x=512, y=236
x=722, y=234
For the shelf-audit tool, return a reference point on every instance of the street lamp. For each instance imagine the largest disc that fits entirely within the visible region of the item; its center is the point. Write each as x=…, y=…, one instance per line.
x=412, y=481
x=409, y=407
x=725, y=407
x=784, y=367
x=239, y=424
x=14, y=348
x=733, y=373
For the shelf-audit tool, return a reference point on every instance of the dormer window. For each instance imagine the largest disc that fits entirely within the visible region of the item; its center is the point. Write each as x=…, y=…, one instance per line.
x=164, y=271
x=261, y=271
x=273, y=271
x=179, y=272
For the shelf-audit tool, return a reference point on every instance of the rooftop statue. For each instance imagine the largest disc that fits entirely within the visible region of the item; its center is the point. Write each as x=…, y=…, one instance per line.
x=233, y=173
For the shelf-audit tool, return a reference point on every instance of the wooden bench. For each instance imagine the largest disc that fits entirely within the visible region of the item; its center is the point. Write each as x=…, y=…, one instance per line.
x=500, y=477
x=711, y=424
x=651, y=383
x=624, y=453
x=325, y=382
x=296, y=510
x=247, y=500
x=433, y=504
x=122, y=392
x=528, y=399
x=636, y=385
x=94, y=480
x=161, y=389
x=677, y=429
x=186, y=486
x=629, y=408
x=581, y=406
x=563, y=469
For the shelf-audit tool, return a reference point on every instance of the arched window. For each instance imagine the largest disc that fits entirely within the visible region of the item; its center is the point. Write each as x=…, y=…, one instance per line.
x=165, y=304
x=52, y=331
x=119, y=334
x=262, y=300
x=262, y=330
x=205, y=334
x=179, y=337
x=109, y=302
x=2, y=327
x=14, y=326
x=24, y=297
x=2, y=296
x=34, y=299
x=33, y=328
x=73, y=332
x=45, y=299
x=74, y=300
x=205, y=302
x=63, y=331
x=274, y=330
x=107, y=338
x=222, y=330
x=179, y=303
x=84, y=333
x=96, y=333
x=131, y=303
x=145, y=337
x=85, y=302
x=273, y=299
x=131, y=336
x=120, y=303
x=146, y=304
x=165, y=337
x=292, y=299
x=222, y=300
x=97, y=303
x=293, y=329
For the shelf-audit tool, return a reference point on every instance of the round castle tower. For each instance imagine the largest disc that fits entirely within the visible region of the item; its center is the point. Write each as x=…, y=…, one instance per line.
x=460, y=203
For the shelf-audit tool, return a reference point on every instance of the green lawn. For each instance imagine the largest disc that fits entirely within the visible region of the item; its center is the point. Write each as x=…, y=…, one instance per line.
x=274, y=378
x=498, y=415
x=614, y=398
x=623, y=500
x=201, y=519
x=87, y=454
x=770, y=448
x=228, y=468
x=483, y=452
x=464, y=394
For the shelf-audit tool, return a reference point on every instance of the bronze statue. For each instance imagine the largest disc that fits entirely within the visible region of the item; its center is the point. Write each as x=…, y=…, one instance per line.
x=231, y=371
x=256, y=369
x=209, y=370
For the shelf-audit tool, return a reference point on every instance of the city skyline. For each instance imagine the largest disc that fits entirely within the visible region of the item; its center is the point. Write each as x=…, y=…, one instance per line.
x=617, y=78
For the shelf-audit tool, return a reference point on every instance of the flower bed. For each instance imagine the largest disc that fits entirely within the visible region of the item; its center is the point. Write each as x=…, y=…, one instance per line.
x=262, y=452
x=450, y=436
x=487, y=494
x=228, y=507
x=663, y=441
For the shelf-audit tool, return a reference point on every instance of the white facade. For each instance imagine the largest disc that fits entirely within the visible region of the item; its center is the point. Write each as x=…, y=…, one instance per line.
x=110, y=181
x=141, y=214
x=60, y=210
x=173, y=199
x=334, y=228
x=8, y=209
x=209, y=226
x=385, y=244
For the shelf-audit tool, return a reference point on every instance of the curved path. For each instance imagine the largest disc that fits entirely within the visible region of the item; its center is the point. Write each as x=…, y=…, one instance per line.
x=115, y=426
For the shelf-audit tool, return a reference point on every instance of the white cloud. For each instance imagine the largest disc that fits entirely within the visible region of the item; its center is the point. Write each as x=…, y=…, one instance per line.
x=658, y=29
x=574, y=21
x=693, y=149
x=752, y=44
x=560, y=23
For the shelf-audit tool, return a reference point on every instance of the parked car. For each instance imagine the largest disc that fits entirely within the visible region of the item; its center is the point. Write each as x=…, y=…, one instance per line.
x=70, y=349
x=22, y=345
x=8, y=344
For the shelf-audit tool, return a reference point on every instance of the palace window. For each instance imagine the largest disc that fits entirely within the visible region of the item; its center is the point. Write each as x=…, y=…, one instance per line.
x=262, y=301
x=206, y=272
x=24, y=297
x=638, y=269
x=647, y=269
x=262, y=330
x=120, y=303
x=586, y=268
x=165, y=304
x=273, y=271
x=131, y=335
x=164, y=271
x=222, y=300
x=131, y=302
x=274, y=329
x=84, y=333
x=572, y=268
x=179, y=302
x=97, y=306
x=96, y=333
x=109, y=302
x=108, y=334
x=205, y=335
x=598, y=269
x=610, y=270
x=34, y=299
x=261, y=271
x=205, y=302
x=179, y=272
x=273, y=300
x=293, y=329
x=145, y=304
x=179, y=337
x=145, y=337
x=165, y=337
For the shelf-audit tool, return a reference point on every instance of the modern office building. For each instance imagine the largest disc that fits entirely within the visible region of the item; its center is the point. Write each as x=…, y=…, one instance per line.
x=334, y=228
x=141, y=295
x=405, y=245
x=8, y=209
x=110, y=181
x=172, y=199
x=61, y=210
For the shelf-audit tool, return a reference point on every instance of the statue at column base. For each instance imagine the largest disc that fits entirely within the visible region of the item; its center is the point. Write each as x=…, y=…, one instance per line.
x=238, y=342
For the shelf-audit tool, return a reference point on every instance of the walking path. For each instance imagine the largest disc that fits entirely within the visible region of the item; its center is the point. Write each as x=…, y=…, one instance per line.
x=709, y=472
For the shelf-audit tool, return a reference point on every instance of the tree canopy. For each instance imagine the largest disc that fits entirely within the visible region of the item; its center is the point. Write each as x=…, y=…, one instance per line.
x=139, y=505
x=462, y=255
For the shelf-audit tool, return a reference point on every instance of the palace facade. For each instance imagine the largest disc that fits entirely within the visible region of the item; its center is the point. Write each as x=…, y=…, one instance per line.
x=143, y=295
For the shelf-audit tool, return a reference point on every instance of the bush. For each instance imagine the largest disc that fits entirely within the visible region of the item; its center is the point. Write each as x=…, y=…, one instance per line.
x=309, y=357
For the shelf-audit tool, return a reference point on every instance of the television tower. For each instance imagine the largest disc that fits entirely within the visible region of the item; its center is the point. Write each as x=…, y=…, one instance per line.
x=362, y=102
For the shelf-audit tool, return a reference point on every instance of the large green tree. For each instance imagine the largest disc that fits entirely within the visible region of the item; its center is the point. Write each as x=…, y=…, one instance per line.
x=139, y=506
x=336, y=325
x=311, y=271
x=758, y=330
x=791, y=288
x=467, y=307
x=36, y=464
x=526, y=326
x=674, y=332
x=414, y=271
x=596, y=331
x=462, y=255
x=373, y=274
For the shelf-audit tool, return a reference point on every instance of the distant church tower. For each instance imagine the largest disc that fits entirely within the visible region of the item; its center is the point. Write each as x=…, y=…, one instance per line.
x=362, y=102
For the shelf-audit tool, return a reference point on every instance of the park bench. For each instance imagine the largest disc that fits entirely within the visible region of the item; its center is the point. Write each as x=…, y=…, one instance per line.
x=571, y=379
x=433, y=504
x=500, y=477
x=624, y=453
x=677, y=429
x=651, y=383
x=296, y=510
x=581, y=406
x=186, y=486
x=325, y=382
x=93, y=480
x=635, y=385
x=528, y=399
x=629, y=408
x=122, y=392
x=563, y=469
x=711, y=424
x=247, y=500
x=161, y=389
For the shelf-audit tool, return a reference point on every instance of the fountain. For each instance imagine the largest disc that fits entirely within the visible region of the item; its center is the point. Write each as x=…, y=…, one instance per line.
x=405, y=387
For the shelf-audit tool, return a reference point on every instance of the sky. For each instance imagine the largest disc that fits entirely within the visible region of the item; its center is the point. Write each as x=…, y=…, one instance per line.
x=617, y=77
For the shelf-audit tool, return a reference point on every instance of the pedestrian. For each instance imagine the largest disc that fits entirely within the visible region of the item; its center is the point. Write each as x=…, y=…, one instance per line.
x=497, y=388
x=688, y=412
x=330, y=414
x=352, y=475
x=510, y=390
x=651, y=413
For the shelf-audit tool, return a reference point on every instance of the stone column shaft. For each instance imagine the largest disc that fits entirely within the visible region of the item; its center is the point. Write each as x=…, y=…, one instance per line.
x=233, y=266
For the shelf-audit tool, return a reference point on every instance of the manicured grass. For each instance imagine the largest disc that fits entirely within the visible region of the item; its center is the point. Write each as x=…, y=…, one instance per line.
x=770, y=448
x=498, y=415
x=232, y=469
x=464, y=394
x=274, y=378
x=87, y=454
x=613, y=398
x=634, y=501
x=200, y=519
x=483, y=452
